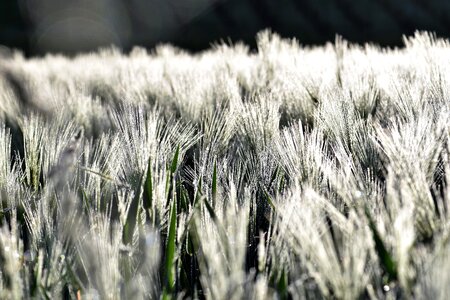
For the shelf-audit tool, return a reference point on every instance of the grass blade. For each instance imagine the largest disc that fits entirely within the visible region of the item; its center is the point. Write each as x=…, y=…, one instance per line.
x=214, y=185
x=170, y=175
x=148, y=191
x=387, y=261
x=170, y=259
x=174, y=165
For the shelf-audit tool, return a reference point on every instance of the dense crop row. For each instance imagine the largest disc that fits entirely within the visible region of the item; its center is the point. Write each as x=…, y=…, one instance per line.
x=291, y=172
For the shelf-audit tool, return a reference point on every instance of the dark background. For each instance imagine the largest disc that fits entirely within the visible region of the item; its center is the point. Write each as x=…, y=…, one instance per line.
x=68, y=26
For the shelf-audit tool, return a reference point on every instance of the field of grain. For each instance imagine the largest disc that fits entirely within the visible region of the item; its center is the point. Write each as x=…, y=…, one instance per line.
x=289, y=172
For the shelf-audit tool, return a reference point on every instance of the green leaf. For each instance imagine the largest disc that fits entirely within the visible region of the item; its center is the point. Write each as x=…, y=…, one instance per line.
x=184, y=199
x=128, y=228
x=188, y=243
x=148, y=190
x=386, y=259
x=278, y=279
x=220, y=229
x=282, y=285
x=214, y=185
x=170, y=175
x=170, y=259
x=198, y=192
x=85, y=199
x=274, y=176
x=211, y=211
x=281, y=184
x=174, y=165
x=133, y=213
x=269, y=200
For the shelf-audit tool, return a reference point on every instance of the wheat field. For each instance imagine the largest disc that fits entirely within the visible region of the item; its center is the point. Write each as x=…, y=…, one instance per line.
x=288, y=172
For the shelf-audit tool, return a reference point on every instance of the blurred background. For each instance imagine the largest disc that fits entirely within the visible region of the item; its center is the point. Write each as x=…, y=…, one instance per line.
x=71, y=26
